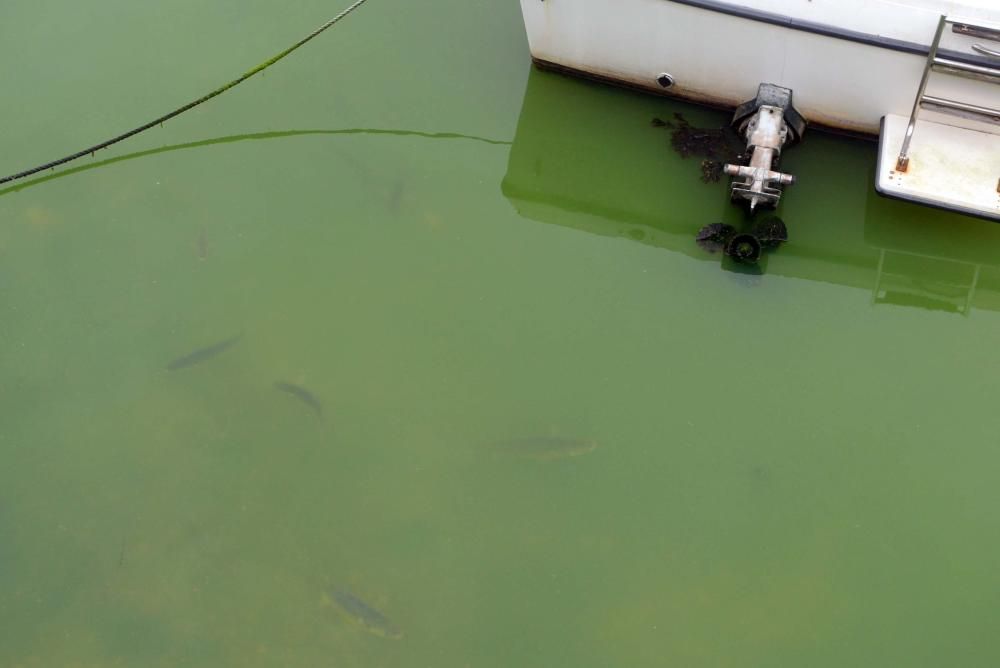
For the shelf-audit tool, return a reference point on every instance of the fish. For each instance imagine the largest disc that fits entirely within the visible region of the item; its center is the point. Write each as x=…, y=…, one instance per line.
x=371, y=619
x=546, y=448
x=202, y=245
x=302, y=394
x=203, y=354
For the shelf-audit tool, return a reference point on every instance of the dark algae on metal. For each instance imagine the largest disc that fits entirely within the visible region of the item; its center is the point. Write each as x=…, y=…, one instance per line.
x=715, y=236
x=361, y=613
x=716, y=146
x=771, y=232
x=744, y=247
x=203, y=354
x=302, y=394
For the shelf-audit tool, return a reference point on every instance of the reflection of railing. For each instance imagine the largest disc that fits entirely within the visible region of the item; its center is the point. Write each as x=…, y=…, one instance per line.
x=936, y=284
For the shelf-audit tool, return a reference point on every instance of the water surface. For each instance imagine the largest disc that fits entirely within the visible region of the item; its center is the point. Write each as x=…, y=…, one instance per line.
x=795, y=468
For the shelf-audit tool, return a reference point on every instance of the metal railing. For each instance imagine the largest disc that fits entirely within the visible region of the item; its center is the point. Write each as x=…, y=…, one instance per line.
x=989, y=73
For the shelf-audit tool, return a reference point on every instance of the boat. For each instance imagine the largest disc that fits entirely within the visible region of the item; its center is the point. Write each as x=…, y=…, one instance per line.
x=920, y=75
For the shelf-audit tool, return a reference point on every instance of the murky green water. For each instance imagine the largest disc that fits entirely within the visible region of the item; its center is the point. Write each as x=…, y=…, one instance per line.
x=793, y=469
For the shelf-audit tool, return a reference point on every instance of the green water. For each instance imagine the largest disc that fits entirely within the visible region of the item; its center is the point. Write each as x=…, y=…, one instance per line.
x=793, y=469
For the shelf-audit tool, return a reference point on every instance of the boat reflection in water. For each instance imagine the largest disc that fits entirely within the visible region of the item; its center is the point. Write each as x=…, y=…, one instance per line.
x=941, y=261
x=586, y=157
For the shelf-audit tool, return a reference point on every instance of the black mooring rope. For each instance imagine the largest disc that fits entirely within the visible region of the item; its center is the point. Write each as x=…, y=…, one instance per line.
x=176, y=112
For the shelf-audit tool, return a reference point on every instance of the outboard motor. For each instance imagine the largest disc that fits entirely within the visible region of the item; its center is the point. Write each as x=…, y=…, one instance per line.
x=768, y=122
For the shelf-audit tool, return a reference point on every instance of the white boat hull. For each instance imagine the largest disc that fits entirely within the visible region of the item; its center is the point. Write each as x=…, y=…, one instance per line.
x=868, y=66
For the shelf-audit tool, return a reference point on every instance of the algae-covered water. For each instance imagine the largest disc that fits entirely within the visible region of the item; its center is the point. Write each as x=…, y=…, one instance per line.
x=477, y=398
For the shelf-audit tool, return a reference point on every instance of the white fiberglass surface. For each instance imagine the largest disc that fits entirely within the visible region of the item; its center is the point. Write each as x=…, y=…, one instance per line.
x=912, y=20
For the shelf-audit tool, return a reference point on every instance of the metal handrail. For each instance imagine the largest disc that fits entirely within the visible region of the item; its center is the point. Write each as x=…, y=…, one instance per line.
x=934, y=63
x=904, y=153
x=981, y=72
x=962, y=109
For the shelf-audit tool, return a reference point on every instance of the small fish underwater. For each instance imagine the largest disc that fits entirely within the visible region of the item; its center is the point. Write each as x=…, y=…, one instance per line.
x=302, y=394
x=203, y=354
x=545, y=448
x=361, y=613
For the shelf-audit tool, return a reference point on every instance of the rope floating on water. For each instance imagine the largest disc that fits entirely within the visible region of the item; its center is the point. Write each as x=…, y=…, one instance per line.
x=176, y=112
x=277, y=134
